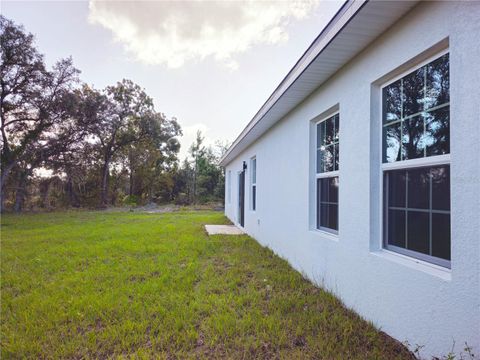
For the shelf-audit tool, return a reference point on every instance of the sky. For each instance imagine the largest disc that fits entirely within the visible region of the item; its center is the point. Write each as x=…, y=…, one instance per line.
x=210, y=64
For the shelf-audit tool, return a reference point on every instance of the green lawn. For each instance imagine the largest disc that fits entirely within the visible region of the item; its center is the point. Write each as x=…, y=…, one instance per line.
x=101, y=285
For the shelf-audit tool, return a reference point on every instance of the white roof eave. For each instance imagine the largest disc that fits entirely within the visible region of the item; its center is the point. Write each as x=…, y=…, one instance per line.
x=355, y=25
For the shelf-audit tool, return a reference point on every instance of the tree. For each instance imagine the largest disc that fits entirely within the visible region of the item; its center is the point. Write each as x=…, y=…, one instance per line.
x=35, y=106
x=197, y=151
x=80, y=172
x=152, y=156
x=120, y=110
x=80, y=134
x=202, y=174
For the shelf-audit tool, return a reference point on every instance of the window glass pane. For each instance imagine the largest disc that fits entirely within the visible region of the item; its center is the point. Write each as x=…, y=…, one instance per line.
x=333, y=189
x=329, y=216
x=396, y=228
x=424, y=132
x=329, y=189
x=328, y=144
x=324, y=216
x=413, y=142
x=419, y=188
x=396, y=188
x=413, y=92
x=337, y=128
x=323, y=133
x=324, y=185
x=391, y=148
x=438, y=82
x=319, y=191
x=329, y=130
x=392, y=102
x=437, y=131
x=327, y=203
x=418, y=237
x=441, y=188
x=320, y=133
x=254, y=171
x=441, y=236
x=327, y=159
x=254, y=197
x=337, y=155
x=319, y=161
x=428, y=190
x=333, y=216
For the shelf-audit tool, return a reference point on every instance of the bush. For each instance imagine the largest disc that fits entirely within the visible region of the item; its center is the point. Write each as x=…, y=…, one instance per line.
x=131, y=200
x=182, y=199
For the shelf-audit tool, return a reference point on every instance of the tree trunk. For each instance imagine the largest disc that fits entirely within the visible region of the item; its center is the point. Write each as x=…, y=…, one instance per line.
x=44, y=188
x=20, y=192
x=6, y=169
x=105, y=176
x=150, y=194
x=114, y=192
x=195, y=182
x=131, y=178
x=72, y=197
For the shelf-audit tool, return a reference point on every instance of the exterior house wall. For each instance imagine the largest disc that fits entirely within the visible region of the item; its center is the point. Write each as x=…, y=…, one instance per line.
x=410, y=300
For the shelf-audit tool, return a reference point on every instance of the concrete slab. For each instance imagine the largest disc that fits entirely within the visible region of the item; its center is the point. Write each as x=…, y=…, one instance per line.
x=223, y=230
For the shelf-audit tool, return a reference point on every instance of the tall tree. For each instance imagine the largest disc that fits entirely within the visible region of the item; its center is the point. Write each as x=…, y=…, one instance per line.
x=197, y=151
x=152, y=155
x=35, y=105
x=124, y=105
x=200, y=173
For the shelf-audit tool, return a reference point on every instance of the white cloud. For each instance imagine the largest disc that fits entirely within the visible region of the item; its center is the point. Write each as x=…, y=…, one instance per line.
x=173, y=33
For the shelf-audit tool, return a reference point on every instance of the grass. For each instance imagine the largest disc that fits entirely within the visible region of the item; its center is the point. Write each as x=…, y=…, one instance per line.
x=122, y=285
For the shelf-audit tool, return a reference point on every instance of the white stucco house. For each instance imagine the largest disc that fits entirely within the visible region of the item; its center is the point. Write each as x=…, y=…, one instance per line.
x=362, y=169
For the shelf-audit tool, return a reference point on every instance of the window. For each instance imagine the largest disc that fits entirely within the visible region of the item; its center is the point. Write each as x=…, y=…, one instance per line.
x=229, y=186
x=416, y=170
x=253, y=181
x=327, y=163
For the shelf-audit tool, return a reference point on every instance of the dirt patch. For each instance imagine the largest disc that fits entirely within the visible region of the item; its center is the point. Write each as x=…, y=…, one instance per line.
x=153, y=208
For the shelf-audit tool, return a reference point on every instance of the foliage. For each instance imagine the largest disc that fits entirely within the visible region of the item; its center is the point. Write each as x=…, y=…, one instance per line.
x=203, y=178
x=134, y=285
x=67, y=144
x=36, y=107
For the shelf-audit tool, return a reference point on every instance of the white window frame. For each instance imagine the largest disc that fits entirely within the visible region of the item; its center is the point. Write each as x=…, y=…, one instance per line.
x=253, y=184
x=428, y=161
x=324, y=175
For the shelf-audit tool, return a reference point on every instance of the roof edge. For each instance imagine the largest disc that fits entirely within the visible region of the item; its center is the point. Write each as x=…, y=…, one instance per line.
x=296, y=71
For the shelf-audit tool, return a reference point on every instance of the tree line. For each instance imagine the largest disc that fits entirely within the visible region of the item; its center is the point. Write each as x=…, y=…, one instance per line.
x=66, y=144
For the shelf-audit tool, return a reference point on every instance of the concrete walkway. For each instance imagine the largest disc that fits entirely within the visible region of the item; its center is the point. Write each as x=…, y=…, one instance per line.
x=223, y=230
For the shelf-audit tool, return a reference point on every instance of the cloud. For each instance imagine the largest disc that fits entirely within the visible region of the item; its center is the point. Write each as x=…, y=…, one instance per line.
x=173, y=33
